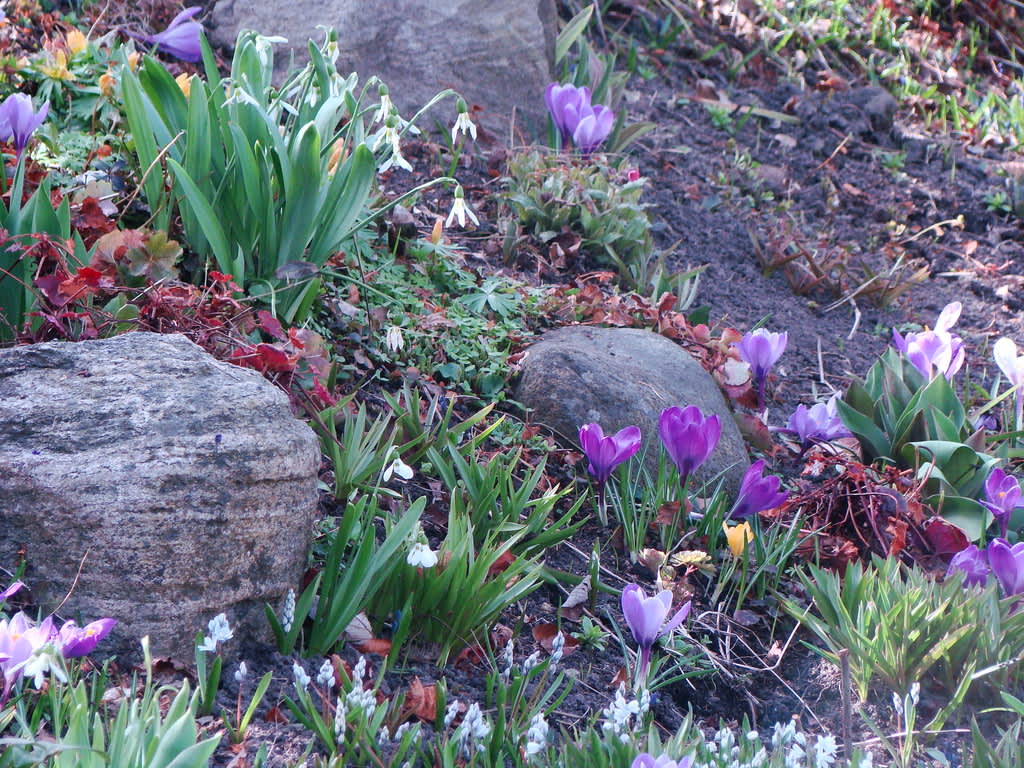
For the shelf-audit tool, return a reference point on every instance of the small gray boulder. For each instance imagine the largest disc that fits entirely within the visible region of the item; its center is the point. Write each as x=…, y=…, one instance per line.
x=620, y=376
x=153, y=484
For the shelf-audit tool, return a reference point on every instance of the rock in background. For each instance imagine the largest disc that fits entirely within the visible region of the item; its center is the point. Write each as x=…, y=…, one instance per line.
x=497, y=53
x=620, y=376
x=181, y=486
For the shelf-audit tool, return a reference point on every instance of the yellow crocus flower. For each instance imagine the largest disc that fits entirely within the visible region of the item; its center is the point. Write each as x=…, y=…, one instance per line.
x=738, y=536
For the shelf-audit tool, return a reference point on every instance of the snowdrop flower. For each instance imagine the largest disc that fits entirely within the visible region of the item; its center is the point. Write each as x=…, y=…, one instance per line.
x=462, y=123
x=460, y=210
x=421, y=556
x=393, y=339
x=390, y=136
x=386, y=106
x=219, y=632
x=396, y=467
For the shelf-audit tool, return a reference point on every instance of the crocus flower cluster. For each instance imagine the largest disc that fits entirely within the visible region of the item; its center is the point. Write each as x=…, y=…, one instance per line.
x=646, y=619
x=586, y=125
x=644, y=760
x=999, y=559
x=757, y=492
x=818, y=424
x=1012, y=366
x=32, y=650
x=181, y=38
x=1002, y=497
x=934, y=351
x=19, y=120
x=689, y=438
x=761, y=349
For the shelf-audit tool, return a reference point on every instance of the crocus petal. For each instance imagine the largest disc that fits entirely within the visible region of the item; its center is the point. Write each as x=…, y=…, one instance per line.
x=973, y=562
x=1012, y=366
x=1007, y=564
x=948, y=317
x=633, y=611
x=676, y=620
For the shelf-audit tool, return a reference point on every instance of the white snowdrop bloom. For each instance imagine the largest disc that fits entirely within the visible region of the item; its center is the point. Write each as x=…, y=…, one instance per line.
x=302, y=680
x=421, y=556
x=460, y=210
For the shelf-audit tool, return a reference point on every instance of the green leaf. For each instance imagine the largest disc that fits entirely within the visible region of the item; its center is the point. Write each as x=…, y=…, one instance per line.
x=571, y=32
x=207, y=217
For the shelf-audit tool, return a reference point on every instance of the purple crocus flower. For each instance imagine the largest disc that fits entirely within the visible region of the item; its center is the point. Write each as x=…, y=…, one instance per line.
x=593, y=128
x=78, y=641
x=1012, y=366
x=1007, y=564
x=757, y=492
x=818, y=424
x=646, y=619
x=937, y=351
x=974, y=563
x=19, y=639
x=644, y=760
x=18, y=120
x=181, y=38
x=761, y=349
x=605, y=454
x=1002, y=496
x=565, y=103
x=15, y=586
x=688, y=437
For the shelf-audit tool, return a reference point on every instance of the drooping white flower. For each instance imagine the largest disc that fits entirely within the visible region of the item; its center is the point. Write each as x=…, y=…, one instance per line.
x=421, y=556
x=460, y=210
x=393, y=339
x=241, y=673
x=397, y=467
x=463, y=124
x=325, y=676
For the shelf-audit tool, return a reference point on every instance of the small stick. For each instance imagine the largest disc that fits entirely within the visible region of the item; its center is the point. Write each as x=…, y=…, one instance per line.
x=844, y=664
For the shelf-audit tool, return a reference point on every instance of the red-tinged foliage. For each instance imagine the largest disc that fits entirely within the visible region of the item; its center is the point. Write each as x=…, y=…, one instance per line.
x=546, y=633
x=858, y=511
x=89, y=220
x=420, y=702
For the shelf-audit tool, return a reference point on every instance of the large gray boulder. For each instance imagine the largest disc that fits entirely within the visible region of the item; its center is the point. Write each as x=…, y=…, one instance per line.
x=497, y=53
x=621, y=376
x=154, y=484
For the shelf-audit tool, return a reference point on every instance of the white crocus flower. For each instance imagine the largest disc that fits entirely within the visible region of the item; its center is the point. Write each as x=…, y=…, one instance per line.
x=460, y=210
x=421, y=556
